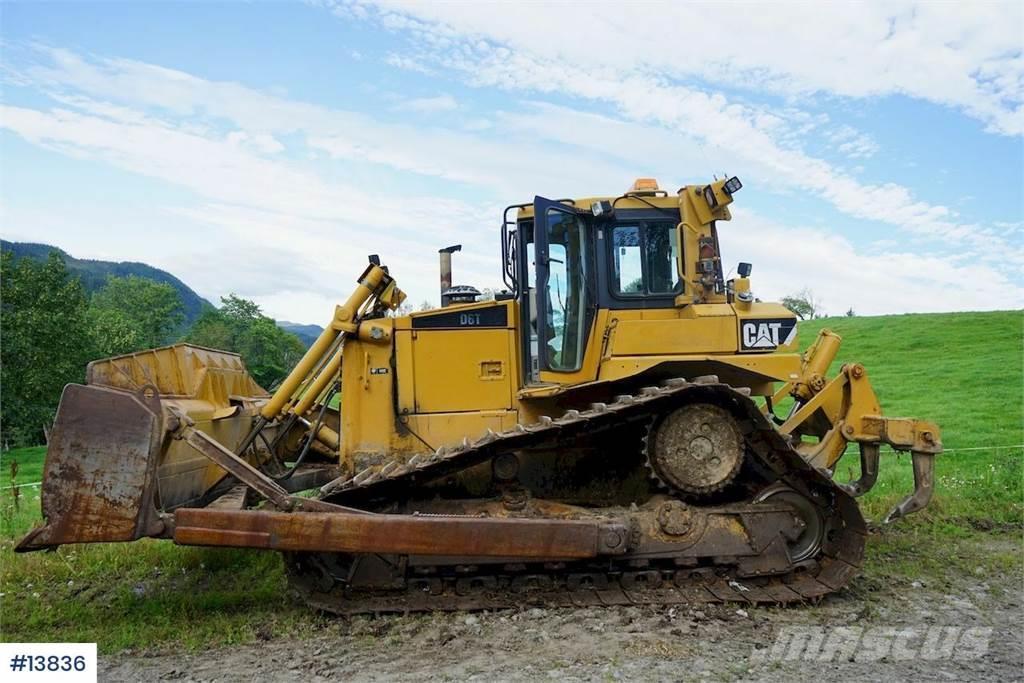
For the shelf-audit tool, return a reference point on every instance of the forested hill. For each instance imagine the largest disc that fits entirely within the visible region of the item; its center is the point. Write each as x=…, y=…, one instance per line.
x=94, y=273
x=306, y=333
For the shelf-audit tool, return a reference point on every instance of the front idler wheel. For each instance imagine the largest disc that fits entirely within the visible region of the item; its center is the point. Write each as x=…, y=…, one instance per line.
x=807, y=544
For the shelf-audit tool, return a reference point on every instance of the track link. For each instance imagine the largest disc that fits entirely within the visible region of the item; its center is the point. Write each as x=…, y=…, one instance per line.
x=618, y=582
x=594, y=588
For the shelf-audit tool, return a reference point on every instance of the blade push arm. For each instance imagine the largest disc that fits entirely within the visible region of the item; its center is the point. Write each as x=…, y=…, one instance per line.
x=310, y=380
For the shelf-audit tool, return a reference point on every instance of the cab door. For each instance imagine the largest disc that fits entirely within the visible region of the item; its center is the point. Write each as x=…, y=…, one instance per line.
x=563, y=293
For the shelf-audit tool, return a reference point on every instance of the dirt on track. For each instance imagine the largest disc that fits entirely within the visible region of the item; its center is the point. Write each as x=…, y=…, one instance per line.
x=679, y=643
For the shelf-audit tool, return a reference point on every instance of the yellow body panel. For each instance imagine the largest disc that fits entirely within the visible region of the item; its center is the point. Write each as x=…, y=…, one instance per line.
x=428, y=387
x=456, y=370
x=368, y=420
x=705, y=334
x=434, y=387
x=445, y=369
x=754, y=370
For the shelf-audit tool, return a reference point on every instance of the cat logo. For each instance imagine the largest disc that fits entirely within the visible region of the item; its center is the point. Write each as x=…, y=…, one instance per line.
x=762, y=335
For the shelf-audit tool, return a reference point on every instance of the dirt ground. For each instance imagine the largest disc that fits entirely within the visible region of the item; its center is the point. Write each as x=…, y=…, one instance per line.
x=983, y=616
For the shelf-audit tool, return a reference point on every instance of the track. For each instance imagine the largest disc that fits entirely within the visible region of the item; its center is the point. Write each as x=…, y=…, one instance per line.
x=331, y=583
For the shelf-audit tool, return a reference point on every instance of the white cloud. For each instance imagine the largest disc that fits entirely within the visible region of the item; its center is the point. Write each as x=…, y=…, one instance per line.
x=887, y=280
x=250, y=200
x=257, y=116
x=508, y=51
x=430, y=105
x=849, y=141
x=301, y=235
x=260, y=142
x=408, y=64
x=478, y=124
x=962, y=55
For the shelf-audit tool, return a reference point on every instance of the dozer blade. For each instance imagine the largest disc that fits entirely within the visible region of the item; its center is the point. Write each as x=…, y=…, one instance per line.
x=99, y=480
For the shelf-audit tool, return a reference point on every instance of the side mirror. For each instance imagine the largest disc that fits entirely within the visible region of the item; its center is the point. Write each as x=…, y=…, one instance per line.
x=744, y=269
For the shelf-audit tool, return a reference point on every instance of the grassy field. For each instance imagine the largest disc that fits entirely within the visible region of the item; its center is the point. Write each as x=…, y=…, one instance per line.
x=964, y=371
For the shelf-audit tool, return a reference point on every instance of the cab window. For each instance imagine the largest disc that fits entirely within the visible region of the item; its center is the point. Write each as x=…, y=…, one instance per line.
x=660, y=254
x=644, y=259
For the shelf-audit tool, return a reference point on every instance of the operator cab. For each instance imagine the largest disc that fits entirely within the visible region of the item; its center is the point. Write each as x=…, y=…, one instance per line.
x=565, y=260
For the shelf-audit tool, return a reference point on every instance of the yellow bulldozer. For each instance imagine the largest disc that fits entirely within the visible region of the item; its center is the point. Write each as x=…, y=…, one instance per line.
x=622, y=425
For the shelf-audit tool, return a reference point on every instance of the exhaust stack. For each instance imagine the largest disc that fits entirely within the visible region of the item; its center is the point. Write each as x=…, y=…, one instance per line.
x=446, y=270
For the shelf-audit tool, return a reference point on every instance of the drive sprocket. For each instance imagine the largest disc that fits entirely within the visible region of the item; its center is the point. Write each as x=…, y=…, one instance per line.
x=697, y=449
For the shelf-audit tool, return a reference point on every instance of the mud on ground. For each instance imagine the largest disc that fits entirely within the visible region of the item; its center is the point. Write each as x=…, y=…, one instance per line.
x=983, y=615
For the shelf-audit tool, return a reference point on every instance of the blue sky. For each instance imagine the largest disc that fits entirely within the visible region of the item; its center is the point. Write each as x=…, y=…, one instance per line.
x=266, y=148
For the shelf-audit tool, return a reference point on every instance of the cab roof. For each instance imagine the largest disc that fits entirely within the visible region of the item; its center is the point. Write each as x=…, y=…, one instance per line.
x=641, y=195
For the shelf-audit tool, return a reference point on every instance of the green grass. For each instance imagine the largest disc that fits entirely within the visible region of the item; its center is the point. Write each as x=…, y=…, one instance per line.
x=147, y=594
x=963, y=371
x=19, y=499
x=142, y=594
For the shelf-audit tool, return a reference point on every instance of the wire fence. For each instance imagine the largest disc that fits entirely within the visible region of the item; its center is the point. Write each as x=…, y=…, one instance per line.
x=1009, y=447
x=21, y=486
x=947, y=451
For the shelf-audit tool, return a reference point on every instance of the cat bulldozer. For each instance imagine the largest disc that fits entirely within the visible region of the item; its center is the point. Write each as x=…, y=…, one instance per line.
x=622, y=425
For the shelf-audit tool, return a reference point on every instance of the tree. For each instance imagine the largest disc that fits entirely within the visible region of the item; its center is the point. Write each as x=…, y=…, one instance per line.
x=213, y=329
x=113, y=332
x=240, y=326
x=133, y=313
x=850, y=312
x=803, y=303
x=46, y=343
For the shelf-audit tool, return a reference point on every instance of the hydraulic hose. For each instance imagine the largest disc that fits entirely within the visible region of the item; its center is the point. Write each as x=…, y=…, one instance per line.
x=309, y=438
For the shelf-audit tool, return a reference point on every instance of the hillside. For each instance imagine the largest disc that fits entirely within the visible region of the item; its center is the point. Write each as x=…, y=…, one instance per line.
x=307, y=334
x=94, y=273
x=962, y=370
